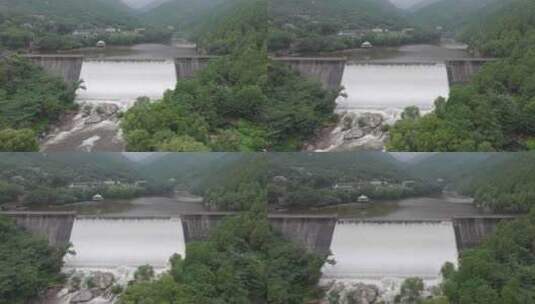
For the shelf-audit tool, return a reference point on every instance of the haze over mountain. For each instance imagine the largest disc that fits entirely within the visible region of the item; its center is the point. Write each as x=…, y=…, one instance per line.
x=143, y=4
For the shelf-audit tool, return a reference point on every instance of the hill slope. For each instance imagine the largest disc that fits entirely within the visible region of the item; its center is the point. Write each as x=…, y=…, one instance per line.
x=95, y=12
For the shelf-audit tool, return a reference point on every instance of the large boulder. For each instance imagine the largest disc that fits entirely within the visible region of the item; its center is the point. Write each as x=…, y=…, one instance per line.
x=82, y=296
x=352, y=293
x=101, y=280
x=362, y=294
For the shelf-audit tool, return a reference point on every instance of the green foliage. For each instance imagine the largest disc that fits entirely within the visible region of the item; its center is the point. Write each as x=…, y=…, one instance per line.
x=241, y=102
x=498, y=272
x=298, y=26
x=27, y=264
x=36, y=178
x=495, y=111
x=244, y=261
x=51, y=25
x=411, y=291
x=29, y=99
x=301, y=180
x=22, y=140
x=504, y=184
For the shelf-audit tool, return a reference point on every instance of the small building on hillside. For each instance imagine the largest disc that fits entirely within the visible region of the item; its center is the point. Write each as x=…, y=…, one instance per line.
x=101, y=44
x=98, y=198
x=363, y=199
x=366, y=45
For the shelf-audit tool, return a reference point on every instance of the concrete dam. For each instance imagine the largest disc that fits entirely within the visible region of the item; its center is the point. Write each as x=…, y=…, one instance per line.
x=427, y=79
x=316, y=233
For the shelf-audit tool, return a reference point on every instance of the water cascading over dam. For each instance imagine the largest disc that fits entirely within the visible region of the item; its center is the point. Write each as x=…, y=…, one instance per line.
x=370, y=251
x=393, y=86
x=122, y=81
x=110, y=243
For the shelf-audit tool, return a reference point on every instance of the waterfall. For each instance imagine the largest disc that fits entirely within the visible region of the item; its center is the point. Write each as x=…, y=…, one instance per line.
x=385, y=86
x=377, y=250
x=110, y=243
x=123, y=81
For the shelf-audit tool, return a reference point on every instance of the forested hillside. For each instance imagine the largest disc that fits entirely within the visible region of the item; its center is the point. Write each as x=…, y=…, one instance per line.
x=299, y=26
x=94, y=12
x=495, y=111
x=39, y=178
x=183, y=14
x=293, y=180
x=499, y=182
x=52, y=25
x=503, y=184
x=452, y=15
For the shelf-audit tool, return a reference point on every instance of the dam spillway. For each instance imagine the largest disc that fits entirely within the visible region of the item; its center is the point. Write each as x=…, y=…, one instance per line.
x=107, y=243
x=385, y=86
x=122, y=81
x=366, y=250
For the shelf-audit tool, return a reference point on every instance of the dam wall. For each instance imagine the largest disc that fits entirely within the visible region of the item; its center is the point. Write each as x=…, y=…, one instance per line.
x=65, y=66
x=311, y=232
x=472, y=231
x=54, y=226
x=187, y=67
x=461, y=71
x=328, y=71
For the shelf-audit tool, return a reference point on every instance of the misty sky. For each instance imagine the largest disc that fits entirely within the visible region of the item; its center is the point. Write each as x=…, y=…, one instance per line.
x=142, y=3
x=405, y=3
x=139, y=3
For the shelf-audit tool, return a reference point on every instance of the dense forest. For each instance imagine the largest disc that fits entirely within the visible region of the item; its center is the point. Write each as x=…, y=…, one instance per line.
x=499, y=182
x=30, y=101
x=35, y=25
x=244, y=261
x=298, y=26
x=308, y=180
x=62, y=178
x=28, y=265
x=495, y=111
x=500, y=271
x=453, y=15
x=242, y=101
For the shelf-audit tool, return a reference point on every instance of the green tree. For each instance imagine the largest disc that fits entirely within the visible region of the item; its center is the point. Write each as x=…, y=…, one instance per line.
x=27, y=264
x=22, y=140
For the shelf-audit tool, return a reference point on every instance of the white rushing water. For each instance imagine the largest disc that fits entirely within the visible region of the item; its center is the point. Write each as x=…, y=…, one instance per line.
x=123, y=81
x=376, y=250
x=112, y=243
x=382, y=87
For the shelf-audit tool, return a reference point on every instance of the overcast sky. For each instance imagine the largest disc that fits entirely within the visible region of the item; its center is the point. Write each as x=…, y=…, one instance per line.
x=140, y=3
x=405, y=3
